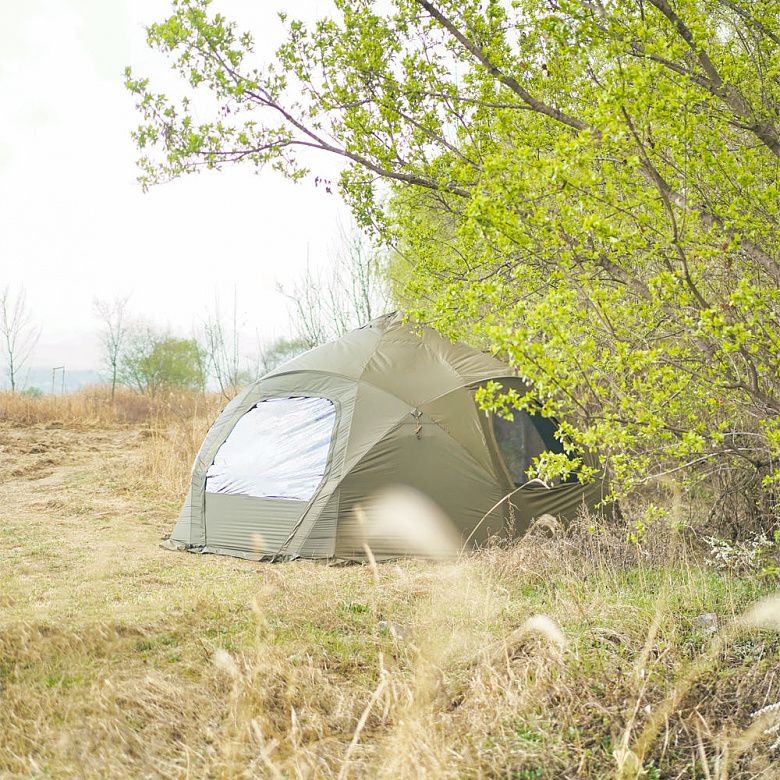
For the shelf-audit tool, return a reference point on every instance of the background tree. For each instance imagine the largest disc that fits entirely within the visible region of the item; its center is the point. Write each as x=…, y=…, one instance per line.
x=223, y=349
x=154, y=360
x=18, y=332
x=280, y=351
x=589, y=189
x=347, y=293
x=114, y=317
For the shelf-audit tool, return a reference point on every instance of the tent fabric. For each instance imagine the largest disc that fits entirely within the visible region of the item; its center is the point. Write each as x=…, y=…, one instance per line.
x=291, y=464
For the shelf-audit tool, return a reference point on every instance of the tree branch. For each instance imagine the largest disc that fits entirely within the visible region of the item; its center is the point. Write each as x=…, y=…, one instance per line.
x=765, y=129
x=481, y=56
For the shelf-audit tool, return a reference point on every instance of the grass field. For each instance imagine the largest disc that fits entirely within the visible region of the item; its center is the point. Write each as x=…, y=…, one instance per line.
x=580, y=654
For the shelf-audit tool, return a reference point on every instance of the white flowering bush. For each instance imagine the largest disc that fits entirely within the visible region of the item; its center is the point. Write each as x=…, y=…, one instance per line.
x=750, y=555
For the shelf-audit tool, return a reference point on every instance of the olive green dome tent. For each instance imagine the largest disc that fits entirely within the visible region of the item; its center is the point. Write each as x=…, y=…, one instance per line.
x=290, y=462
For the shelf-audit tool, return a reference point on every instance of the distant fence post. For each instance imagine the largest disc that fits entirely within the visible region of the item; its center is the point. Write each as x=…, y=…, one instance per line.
x=54, y=374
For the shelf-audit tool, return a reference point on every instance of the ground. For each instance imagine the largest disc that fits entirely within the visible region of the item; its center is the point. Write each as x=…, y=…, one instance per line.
x=95, y=613
x=578, y=656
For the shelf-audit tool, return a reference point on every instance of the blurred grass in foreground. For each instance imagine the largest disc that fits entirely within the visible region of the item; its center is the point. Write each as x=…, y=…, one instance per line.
x=578, y=653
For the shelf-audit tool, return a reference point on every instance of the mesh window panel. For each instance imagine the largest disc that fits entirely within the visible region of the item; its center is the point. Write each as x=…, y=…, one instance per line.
x=519, y=443
x=278, y=449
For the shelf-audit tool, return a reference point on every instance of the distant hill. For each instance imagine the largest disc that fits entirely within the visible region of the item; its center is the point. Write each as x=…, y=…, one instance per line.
x=41, y=378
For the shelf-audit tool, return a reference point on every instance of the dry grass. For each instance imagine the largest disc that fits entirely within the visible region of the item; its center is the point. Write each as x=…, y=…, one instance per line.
x=572, y=655
x=94, y=406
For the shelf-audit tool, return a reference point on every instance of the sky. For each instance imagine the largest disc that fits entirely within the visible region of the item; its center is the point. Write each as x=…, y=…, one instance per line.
x=75, y=224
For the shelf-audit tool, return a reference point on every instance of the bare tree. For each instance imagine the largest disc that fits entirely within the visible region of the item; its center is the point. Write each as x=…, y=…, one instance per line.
x=314, y=318
x=18, y=333
x=359, y=269
x=347, y=293
x=223, y=349
x=114, y=316
x=277, y=352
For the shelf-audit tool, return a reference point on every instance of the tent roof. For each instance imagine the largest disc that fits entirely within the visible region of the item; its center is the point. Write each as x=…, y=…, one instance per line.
x=414, y=364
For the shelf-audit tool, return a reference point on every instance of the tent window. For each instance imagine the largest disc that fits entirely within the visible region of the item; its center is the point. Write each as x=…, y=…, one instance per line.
x=519, y=442
x=278, y=449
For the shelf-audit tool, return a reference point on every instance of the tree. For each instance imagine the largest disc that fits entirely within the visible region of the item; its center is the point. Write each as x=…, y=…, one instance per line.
x=223, y=350
x=280, y=351
x=155, y=360
x=348, y=292
x=114, y=316
x=589, y=188
x=18, y=332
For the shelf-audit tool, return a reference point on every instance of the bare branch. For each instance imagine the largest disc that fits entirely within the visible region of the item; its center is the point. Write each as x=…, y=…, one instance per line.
x=18, y=333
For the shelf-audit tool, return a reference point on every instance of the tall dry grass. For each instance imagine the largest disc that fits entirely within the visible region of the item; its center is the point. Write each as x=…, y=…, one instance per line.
x=532, y=661
x=570, y=653
x=94, y=406
x=173, y=425
x=167, y=453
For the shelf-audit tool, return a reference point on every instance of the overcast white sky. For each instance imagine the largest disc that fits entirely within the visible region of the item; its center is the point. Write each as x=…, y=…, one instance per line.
x=74, y=224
